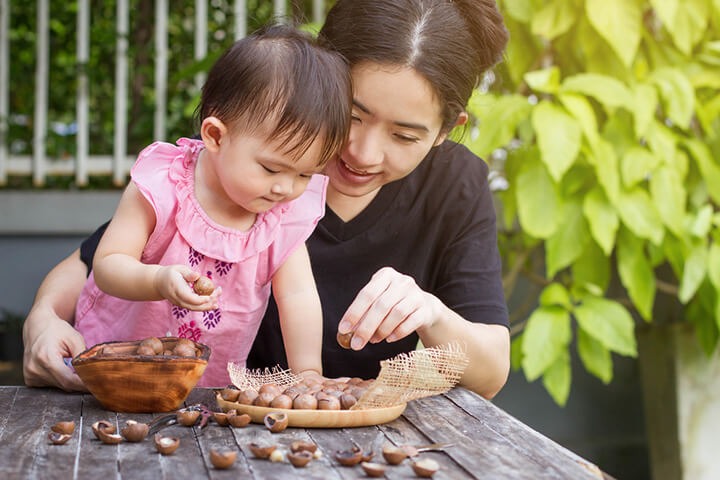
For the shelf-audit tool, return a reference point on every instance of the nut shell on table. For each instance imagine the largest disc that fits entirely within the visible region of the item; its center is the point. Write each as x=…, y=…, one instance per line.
x=103, y=426
x=261, y=451
x=57, y=438
x=350, y=457
x=124, y=381
x=135, y=431
x=222, y=458
x=300, y=459
x=394, y=455
x=425, y=467
x=67, y=427
x=276, y=421
x=165, y=445
x=303, y=446
x=239, y=421
x=372, y=469
x=187, y=418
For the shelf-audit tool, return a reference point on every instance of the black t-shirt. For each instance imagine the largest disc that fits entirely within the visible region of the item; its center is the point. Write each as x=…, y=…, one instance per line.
x=436, y=225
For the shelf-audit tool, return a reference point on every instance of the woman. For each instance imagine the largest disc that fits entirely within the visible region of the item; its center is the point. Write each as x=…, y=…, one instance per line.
x=407, y=249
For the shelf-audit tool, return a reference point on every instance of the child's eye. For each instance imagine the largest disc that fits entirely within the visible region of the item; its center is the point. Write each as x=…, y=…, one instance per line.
x=269, y=170
x=355, y=118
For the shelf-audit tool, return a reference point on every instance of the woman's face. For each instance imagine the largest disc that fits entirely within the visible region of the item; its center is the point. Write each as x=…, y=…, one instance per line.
x=396, y=121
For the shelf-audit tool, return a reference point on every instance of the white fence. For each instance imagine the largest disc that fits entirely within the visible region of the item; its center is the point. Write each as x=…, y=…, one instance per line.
x=117, y=163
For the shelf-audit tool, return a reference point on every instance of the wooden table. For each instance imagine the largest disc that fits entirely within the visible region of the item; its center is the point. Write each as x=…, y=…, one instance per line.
x=487, y=443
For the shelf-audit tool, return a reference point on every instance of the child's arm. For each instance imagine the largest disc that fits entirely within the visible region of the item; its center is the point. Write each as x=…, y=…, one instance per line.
x=117, y=267
x=300, y=313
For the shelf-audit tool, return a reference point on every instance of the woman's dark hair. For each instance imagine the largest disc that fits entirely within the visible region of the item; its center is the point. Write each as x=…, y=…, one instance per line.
x=451, y=43
x=282, y=74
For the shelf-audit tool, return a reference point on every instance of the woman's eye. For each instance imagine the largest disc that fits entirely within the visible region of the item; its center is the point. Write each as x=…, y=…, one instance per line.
x=354, y=118
x=406, y=139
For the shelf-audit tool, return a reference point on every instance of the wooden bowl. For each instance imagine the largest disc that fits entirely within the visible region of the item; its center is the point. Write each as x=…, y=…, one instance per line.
x=318, y=418
x=123, y=381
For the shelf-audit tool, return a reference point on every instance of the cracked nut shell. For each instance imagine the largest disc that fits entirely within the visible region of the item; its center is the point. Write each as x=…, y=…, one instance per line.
x=276, y=421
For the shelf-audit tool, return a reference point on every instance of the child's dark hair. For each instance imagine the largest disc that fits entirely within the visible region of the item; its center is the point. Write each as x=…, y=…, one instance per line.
x=450, y=43
x=281, y=73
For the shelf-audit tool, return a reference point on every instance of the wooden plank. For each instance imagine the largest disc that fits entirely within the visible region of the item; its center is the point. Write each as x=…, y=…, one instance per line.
x=95, y=459
x=532, y=444
x=7, y=399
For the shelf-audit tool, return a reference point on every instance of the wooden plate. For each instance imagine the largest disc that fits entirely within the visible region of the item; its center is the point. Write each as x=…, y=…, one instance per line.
x=319, y=418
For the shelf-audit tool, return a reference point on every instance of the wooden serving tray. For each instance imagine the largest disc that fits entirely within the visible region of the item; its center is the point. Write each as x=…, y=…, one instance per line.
x=319, y=418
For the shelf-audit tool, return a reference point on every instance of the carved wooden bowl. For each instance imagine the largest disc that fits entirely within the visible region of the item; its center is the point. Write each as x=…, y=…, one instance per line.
x=123, y=381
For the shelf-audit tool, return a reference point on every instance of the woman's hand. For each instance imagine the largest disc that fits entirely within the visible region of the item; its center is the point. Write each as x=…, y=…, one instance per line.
x=174, y=283
x=390, y=307
x=46, y=349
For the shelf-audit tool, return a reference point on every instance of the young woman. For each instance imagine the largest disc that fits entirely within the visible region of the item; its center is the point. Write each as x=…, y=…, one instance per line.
x=407, y=249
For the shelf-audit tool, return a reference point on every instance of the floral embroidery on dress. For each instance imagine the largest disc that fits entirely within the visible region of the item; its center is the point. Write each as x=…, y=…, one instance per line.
x=179, y=312
x=195, y=257
x=222, y=268
x=190, y=330
x=211, y=318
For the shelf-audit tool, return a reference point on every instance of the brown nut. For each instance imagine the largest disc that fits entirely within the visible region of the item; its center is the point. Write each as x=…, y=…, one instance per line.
x=344, y=339
x=329, y=403
x=239, y=421
x=263, y=399
x=135, y=431
x=222, y=459
x=221, y=418
x=166, y=445
x=145, y=350
x=108, y=438
x=281, y=401
x=247, y=397
x=373, y=469
x=261, y=451
x=184, y=350
x=57, y=438
x=204, y=286
x=350, y=457
x=276, y=421
x=103, y=426
x=299, y=459
x=393, y=455
x=306, y=401
x=154, y=343
x=425, y=467
x=271, y=388
x=64, y=427
x=230, y=394
x=187, y=418
x=303, y=446
x=347, y=401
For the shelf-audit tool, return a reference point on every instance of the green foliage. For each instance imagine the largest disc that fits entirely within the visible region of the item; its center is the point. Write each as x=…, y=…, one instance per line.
x=606, y=119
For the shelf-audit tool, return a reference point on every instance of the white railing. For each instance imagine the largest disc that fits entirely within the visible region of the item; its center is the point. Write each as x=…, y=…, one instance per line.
x=118, y=163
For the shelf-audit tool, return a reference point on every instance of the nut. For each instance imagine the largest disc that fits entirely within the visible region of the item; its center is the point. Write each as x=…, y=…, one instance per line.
x=187, y=418
x=393, y=455
x=204, y=286
x=344, y=339
x=350, y=457
x=184, y=350
x=373, y=469
x=230, y=394
x=135, y=431
x=303, y=446
x=221, y=418
x=154, y=343
x=329, y=403
x=299, y=459
x=276, y=456
x=166, y=445
x=281, y=401
x=247, y=397
x=64, y=427
x=239, y=421
x=347, y=401
x=146, y=350
x=57, y=438
x=222, y=458
x=425, y=467
x=261, y=451
x=276, y=421
x=104, y=427
x=306, y=401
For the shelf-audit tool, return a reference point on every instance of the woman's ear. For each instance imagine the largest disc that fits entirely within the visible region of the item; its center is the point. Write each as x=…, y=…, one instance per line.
x=212, y=131
x=461, y=120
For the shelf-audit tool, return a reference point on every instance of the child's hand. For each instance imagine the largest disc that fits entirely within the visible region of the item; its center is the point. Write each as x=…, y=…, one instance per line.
x=174, y=283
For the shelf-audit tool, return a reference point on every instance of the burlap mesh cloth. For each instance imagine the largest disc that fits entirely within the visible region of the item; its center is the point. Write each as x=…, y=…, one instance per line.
x=408, y=376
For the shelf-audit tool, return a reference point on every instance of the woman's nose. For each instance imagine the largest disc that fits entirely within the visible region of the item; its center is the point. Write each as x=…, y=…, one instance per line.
x=365, y=149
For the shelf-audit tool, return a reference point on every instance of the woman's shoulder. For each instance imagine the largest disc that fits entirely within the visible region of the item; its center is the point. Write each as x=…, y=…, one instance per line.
x=451, y=168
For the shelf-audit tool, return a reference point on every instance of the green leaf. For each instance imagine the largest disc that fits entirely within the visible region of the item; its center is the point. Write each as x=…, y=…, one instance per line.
x=547, y=334
x=693, y=272
x=702, y=222
x=605, y=161
x=668, y=194
x=662, y=142
x=558, y=136
x=545, y=81
x=498, y=118
x=609, y=323
x=646, y=103
x=636, y=165
x=520, y=10
x=555, y=294
x=602, y=219
x=714, y=266
x=636, y=274
x=537, y=199
x=516, y=353
x=591, y=271
x=554, y=18
x=686, y=21
x=595, y=357
x=639, y=215
x=677, y=93
x=619, y=23
x=568, y=241
x=609, y=91
x=708, y=164
x=579, y=107
x=557, y=379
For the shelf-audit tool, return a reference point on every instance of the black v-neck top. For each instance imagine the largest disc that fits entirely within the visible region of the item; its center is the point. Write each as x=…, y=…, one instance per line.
x=437, y=225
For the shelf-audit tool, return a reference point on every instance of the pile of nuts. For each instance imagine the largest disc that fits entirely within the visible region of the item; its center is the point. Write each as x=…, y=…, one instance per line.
x=154, y=346
x=309, y=394
x=393, y=455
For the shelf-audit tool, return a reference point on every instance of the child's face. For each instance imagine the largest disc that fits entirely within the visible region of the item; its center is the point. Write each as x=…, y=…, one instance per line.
x=257, y=174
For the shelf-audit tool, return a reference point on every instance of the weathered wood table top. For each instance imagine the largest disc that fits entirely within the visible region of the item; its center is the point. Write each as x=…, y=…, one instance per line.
x=486, y=442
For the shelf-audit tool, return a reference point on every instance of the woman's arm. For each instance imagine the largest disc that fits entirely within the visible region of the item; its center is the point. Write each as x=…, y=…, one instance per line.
x=48, y=334
x=300, y=313
x=391, y=306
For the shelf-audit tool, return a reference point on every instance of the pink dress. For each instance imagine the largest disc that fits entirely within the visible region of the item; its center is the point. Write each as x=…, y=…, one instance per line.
x=241, y=262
